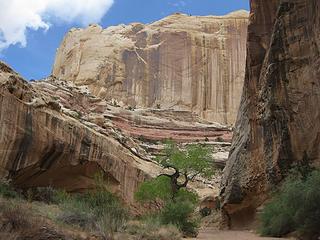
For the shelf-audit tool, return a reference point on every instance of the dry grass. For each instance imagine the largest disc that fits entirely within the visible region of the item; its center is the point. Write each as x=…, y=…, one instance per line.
x=14, y=219
x=152, y=230
x=20, y=220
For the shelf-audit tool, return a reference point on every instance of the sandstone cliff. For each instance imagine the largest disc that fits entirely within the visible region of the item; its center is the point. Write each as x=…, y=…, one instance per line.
x=278, y=123
x=41, y=145
x=53, y=133
x=180, y=62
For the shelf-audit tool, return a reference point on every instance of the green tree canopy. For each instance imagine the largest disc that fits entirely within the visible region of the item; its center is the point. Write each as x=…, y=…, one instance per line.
x=195, y=160
x=169, y=193
x=182, y=166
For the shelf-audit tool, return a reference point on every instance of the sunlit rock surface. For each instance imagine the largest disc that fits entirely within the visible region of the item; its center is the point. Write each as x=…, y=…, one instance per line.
x=181, y=62
x=53, y=133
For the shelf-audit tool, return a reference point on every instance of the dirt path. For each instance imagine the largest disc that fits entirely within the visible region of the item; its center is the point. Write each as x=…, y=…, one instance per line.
x=213, y=234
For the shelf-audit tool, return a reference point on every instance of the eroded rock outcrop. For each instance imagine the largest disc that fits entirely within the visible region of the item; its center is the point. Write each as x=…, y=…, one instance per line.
x=181, y=62
x=41, y=145
x=53, y=133
x=279, y=118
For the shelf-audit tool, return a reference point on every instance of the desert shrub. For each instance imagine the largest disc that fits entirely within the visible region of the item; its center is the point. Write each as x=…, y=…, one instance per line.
x=48, y=195
x=111, y=216
x=7, y=191
x=75, y=212
x=15, y=217
x=307, y=217
x=97, y=211
x=294, y=208
x=60, y=196
x=178, y=212
x=186, y=195
x=180, y=215
x=9, y=236
x=42, y=194
x=151, y=228
x=111, y=221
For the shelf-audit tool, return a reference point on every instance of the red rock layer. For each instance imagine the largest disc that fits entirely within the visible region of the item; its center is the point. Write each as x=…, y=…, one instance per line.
x=42, y=146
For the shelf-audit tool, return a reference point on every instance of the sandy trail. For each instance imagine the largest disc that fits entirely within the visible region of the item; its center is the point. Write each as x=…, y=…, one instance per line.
x=213, y=234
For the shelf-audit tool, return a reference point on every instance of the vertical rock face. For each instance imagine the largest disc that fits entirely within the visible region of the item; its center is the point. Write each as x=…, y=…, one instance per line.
x=180, y=62
x=279, y=118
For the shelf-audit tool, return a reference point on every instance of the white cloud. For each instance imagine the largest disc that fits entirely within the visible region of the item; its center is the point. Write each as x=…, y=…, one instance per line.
x=18, y=16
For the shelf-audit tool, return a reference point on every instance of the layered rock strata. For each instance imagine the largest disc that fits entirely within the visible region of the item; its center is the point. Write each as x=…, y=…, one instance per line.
x=278, y=124
x=41, y=145
x=181, y=62
x=53, y=133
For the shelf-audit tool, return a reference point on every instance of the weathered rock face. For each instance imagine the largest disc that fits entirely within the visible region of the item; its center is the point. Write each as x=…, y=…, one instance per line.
x=180, y=62
x=53, y=133
x=279, y=118
x=42, y=146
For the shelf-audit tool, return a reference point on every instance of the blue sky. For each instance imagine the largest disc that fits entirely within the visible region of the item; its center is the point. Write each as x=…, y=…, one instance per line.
x=34, y=61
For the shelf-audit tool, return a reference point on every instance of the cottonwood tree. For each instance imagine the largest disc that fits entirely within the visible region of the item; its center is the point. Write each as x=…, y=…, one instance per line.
x=168, y=192
x=181, y=166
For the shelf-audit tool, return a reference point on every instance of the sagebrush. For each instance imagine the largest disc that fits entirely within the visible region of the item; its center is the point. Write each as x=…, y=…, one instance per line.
x=294, y=208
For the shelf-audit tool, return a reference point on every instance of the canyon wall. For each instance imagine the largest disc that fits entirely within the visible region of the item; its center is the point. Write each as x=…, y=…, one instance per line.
x=180, y=62
x=41, y=145
x=278, y=124
x=54, y=133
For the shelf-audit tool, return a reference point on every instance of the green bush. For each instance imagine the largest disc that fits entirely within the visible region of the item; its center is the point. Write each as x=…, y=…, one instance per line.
x=294, y=208
x=169, y=193
x=186, y=195
x=180, y=215
x=177, y=212
x=60, y=197
x=157, y=189
x=97, y=211
x=77, y=213
x=7, y=191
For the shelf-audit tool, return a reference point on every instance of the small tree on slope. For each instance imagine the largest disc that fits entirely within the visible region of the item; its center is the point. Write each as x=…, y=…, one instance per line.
x=168, y=192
